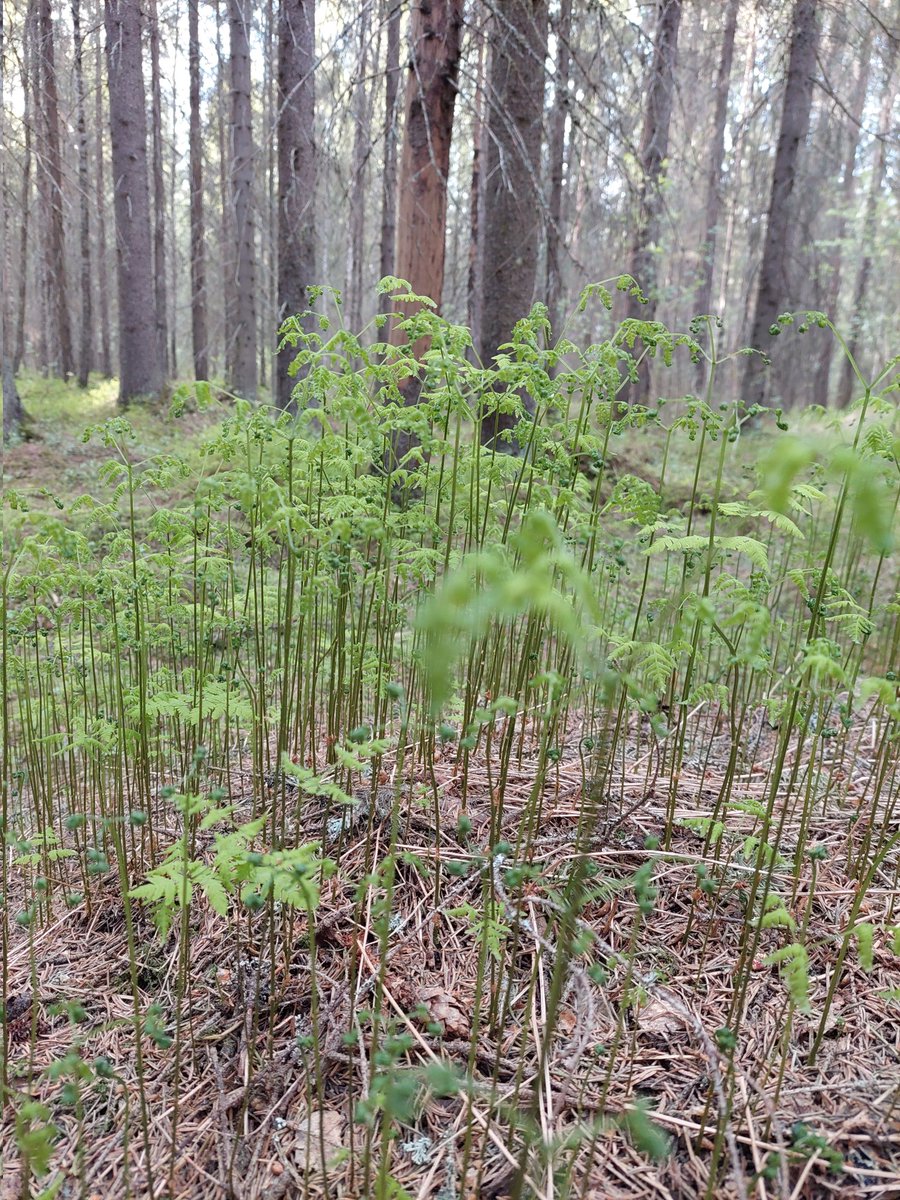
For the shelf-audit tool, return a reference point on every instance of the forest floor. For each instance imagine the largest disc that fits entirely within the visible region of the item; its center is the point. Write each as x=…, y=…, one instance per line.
x=276, y=1055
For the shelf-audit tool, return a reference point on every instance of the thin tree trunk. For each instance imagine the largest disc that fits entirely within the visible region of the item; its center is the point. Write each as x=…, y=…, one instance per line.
x=27, y=52
x=652, y=155
x=835, y=260
x=159, y=187
x=557, y=165
x=870, y=217
x=476, y=198
x=512, y=200
x=296, y=172
x=199, y=334
x=715, y=163
x=12, y=404
x=389, y=171
x=226, y=239
x=242, y=374
x=173, y=242
x=435, y=31
x=774, y=292
x=85, y=348
x=141, y=372
x=102, y=271
x=362, y=140
x=55, y=246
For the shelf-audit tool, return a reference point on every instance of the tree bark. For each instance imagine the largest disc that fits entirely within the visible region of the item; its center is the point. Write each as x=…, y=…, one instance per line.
x=435, y=31
x=159, y=188
x=361, y=145
x=141, y=372
x=51, y=164
x=9, y=395
x=774, y=292
x=512, y=199
x=389, y=172
x=870, y=217
x=102, y=271
x=27, y=119
x=85, y=345
x=715, y=162
x=476, y=198
x=199, y=334
x=557, y=164
x=242, y=373
x=296, y=172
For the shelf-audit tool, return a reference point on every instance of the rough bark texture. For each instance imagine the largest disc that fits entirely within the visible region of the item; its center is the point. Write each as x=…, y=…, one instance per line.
x=27, y=51
x=199, y=335
x=835, y=259
x=876, y=180
x=388, y=242
x=713, y=208
x=512, y=200
x=557, y=164
x=430, y=99
x=242, y=364
x=102, y=272
x=50, y=161
x=476, y=199
x=9, y=396
x=159, y=188
x=774, y=293
x=652, y=154
x=362, y=141
x=296, y=172
x=85, y=343
x=141, y=373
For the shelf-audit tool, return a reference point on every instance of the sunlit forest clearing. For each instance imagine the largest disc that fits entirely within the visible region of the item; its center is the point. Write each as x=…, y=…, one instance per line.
x=451, y=718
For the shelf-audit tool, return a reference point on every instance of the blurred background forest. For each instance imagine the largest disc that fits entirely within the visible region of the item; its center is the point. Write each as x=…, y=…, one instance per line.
x=176, y=173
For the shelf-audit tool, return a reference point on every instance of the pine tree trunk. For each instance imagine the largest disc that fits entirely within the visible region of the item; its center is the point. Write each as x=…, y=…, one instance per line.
x=476, y=198
x=652, y=155
x=159, y=188
x=389, y=171
x=51, y=164
x=9, y=395
x=85, y=347
x=775, y=292
x=296, y=172
x=199, y=334
x=557, y=162
x=242, y=373
x=27, y=117
x=512, y=197
x=876, y=182
x=362, y=134
x=102, y=271
x=435, y=30
x=714, y=170
x=141, y=373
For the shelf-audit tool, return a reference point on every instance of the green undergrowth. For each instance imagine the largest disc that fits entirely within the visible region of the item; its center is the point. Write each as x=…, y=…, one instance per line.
x=272, y=612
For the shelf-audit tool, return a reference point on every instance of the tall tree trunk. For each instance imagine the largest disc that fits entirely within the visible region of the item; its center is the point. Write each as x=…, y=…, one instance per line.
x=296, y=172
x=85, y=350
x=715, y=162
x=27, y=117
x=242, y=373
x=362, y=135
x=557, y=163
x=434, y=36
x=55, y=245
x=774, y=287
x=652, y=154
x=226, y=238
x=476, y=197
x=9, y=395
x=141, y=372
x=876, y=182
x=199, y=335
x=512, y=199
x=102, y=271
x=393, y=9
x=835, y=259
x=159, y=187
